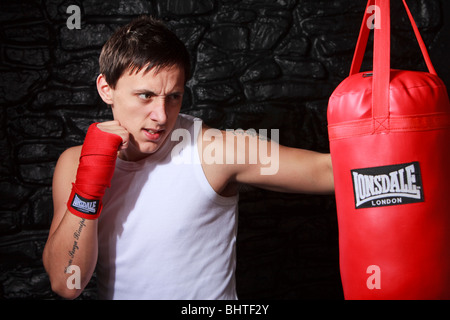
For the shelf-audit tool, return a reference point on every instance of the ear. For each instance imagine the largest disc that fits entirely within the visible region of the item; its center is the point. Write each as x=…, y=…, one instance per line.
x=104, y=90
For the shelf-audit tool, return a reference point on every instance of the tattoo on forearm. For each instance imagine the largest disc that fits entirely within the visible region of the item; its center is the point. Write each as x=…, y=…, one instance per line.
x=76, y=236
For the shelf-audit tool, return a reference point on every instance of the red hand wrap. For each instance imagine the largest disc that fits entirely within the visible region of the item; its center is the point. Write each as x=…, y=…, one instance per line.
x=96, y=168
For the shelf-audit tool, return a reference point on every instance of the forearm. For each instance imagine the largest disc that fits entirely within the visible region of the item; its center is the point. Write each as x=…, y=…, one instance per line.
x=325, y=178
x=74, y=243
x=299, y=171
x=319, y=178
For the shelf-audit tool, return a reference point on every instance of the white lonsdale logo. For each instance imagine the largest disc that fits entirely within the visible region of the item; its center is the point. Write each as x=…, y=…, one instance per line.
x=387, y=185
x=84, y=205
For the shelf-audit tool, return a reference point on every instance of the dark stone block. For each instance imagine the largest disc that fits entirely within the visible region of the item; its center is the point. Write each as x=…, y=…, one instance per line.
x=89, y=36
x=188, y=7
x=266, y=32
x=229, y=37
x=116, y=7
x=14, y=86
x=33, y=127
x=13, y=195
x=38, y=173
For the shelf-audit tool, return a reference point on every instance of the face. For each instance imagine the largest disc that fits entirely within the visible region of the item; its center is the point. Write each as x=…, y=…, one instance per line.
x=147, y=105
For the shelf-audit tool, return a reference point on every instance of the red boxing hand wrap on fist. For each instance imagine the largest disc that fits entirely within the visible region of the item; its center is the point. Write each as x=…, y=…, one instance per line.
x=96, y=168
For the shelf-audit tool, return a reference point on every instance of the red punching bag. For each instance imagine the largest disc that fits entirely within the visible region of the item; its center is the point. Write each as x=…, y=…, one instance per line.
x=389, y=134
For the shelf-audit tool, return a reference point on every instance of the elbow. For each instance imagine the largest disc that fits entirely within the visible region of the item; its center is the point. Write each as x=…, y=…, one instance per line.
x=63, y=284
x=66, y=293
x=62, y=290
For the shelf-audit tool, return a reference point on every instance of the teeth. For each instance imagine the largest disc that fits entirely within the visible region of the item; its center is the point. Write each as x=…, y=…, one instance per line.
x=151, y=131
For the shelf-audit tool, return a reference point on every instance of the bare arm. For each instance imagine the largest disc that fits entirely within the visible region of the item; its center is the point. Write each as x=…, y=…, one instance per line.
x=250, y=159
x=72, y=240
x=299, y=171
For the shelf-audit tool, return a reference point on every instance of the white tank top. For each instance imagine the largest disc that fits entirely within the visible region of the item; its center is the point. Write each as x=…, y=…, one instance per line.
x=164, y=233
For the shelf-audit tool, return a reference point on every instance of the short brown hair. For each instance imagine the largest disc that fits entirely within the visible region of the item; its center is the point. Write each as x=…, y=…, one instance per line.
x=144, y=42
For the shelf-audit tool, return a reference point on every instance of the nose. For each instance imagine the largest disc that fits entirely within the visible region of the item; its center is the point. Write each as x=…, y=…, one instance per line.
x=158, y=111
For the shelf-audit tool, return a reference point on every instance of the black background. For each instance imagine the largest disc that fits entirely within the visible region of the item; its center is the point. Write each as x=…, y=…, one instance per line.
x=262, y=64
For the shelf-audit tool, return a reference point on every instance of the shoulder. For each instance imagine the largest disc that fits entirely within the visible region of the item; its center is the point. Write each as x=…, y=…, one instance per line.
x=187, y=117
x=189, y=122
x=70, y=156
x=67, y=164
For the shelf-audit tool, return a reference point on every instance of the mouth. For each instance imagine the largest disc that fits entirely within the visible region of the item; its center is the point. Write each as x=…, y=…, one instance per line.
x=153, y=134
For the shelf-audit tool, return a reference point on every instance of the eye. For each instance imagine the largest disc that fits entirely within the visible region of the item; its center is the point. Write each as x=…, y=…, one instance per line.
x=176, y=96
x=145, y=96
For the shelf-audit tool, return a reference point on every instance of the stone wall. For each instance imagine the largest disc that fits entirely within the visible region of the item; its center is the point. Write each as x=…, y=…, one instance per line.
x=261, y=64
